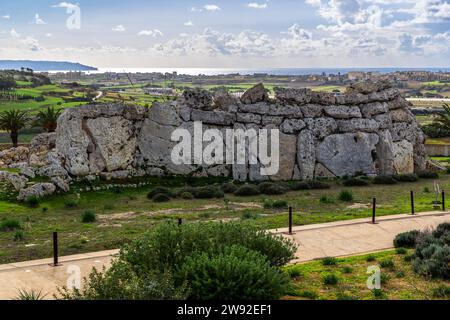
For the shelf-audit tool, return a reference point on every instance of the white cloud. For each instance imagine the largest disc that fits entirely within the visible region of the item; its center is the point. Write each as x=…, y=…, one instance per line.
x=189, y=23
x=195, y=9
x=67, y=5
x=212, y=7
x=49, y=35
x=6, y=17
x=38, y=19
x=256, y=5
x=118, y=28
x=155, y=33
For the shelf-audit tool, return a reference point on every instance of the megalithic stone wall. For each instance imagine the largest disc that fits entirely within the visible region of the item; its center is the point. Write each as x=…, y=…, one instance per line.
x=368, y=129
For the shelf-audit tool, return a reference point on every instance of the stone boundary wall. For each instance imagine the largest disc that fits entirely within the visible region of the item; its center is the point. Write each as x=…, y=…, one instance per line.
x=369, y=129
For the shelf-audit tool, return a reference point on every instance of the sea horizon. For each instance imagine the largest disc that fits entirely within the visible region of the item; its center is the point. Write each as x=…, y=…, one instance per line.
x=269, y=71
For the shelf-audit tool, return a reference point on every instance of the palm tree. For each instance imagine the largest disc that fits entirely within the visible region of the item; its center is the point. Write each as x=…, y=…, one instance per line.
x=443, y=118
x=13, y=121
x=48, y=119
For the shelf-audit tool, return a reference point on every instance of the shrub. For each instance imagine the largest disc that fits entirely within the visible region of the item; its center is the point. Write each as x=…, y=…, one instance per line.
x=428, y=175
x=406, y=239
x=187, y=196
x=31, y=295
x=347, y=269
x=442, y=291
x=329, y=261
x=326, y=200
x=208, y=192
x=160, y=197
x=436, y=130
x=247, y=191
x=401, y=251
x=159, y=190
x=426, y=190
x=10, y=225
x=346, y=196
x=310, y=185
x=248, y=276
x=441, y=230
x=248, y=216
x=19, y=236
x=280, y=204
x=229, y=187
x=384, y=180
x=432, y=257
x=88, y=217
x=168, y=245
x=406, y=177
x=354, y=182
x=400, y=274
x=308, y=295
x=384, y=278
x=271, y=188
x=387, y=264
x=294, y=272
x=330, y=279
x=267, y=204
x=32, y=202
x=378, y=293
x=70, y=203
x=371, y=258
x=408, y=258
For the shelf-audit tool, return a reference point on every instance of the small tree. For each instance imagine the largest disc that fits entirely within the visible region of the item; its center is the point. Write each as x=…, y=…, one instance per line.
x=13, y=121
x=443, y=118
x=48, y=119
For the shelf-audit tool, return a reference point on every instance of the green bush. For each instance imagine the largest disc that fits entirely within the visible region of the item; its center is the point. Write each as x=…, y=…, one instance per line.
x=330, y=279
x=308, y=294
x=187, y=196
x=406, y=239
x=384, y=180
x=346, y=196
x=19, y=236
x=406, y=177
x=310, y=185
x=159, y=190
x=161, y=197
x=432, y=256
x=442, y=291
x=207, y=261
x=401, y=251
x=10, y=225
x=329, y=261
x=441, y=230
x=70, y=203
x=280, y=204
x=88, y=217
x=237, y=273
x=32, y=202
x=168, y=245
x=248, y=216
x=371, y=258
x=428, y=175
x=270, y=188
x=247, y=191
x=208, y=192
x=387, y=264
x=229, y=187
x=347, y=269
x=436, y=130
x=355, y=182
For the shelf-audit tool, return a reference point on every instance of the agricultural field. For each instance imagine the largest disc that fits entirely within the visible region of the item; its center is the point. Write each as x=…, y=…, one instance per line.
x=398, y=280
x=124, y=212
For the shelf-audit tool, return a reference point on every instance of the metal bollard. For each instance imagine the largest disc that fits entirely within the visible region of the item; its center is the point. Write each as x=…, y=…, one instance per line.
x=374, y=210
x=290, y=220
x=443, y=200
x=412, y=203
x=55, y=250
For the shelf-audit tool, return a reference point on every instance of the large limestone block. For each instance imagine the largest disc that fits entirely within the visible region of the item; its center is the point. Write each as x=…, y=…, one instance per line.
x=15, y=180
x=385, y=154
x=288, y=153
x=292, y=126
x=312, y=110
x=39, y=190
x=343, y=112
x=164, y=114
x=214, y=117
x=346, y=154
x=403, y=157
x=115, y=139
x=371, y=109
x=306, y=154
x=256, y=94
x=293, y=96
x=358, y=125
x=322, y=127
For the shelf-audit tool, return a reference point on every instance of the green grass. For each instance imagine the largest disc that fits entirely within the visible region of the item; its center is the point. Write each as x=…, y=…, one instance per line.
x=400, y=283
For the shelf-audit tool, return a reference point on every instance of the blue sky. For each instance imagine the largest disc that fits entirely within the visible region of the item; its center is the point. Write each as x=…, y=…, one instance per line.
x=229, y=33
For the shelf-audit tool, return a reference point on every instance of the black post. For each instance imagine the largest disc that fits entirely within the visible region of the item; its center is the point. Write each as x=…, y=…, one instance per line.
x=412, y=203
x=374, y=210
x=180, y=221
x=290, y=220
x=55, y=249
x=443, y=200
